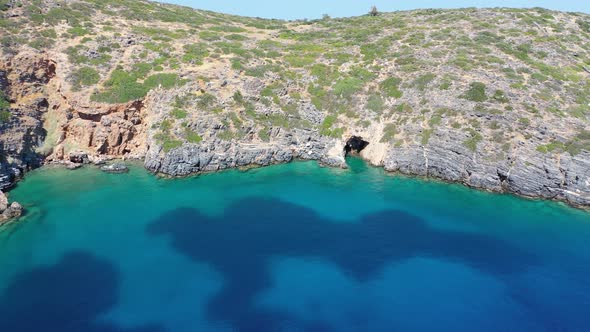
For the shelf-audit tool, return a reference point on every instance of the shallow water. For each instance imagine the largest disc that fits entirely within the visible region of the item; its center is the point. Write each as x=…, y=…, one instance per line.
x=291, y=247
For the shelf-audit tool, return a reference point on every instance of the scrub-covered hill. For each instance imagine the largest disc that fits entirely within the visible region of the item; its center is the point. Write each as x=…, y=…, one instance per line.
x=497, y=99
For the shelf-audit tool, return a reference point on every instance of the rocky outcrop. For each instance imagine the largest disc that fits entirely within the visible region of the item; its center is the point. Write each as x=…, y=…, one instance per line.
x=101, y=131
x=115, y=168
x=524, y=172
x=23, y=84
x=8, y=212
x=3, y=202
x=48, y=125
x=218, y=155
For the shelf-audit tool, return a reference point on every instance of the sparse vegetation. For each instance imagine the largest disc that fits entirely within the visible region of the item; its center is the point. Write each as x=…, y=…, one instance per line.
x=123, y=86
x=327, y=130
x=476, y=92
x=192, y=137
x=389, y=132
x=4, y=108
x=178, y=113
x=83, y=77
x=390, y=87
x=474, y=139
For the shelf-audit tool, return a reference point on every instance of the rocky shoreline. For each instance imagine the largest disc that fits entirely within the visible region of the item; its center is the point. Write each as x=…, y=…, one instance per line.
x=532, y=178
x=465, y=100
x=534, y=181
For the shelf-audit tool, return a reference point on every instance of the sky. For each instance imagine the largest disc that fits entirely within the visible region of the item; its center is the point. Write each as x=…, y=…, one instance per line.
x=299, y=9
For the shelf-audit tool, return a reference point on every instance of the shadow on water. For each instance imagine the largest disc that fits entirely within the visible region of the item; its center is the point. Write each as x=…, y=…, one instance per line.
x=242, y=243
x=68, y=296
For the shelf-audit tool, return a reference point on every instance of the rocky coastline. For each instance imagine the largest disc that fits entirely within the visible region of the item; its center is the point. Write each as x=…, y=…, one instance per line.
x=522, y=176
x=454, y=102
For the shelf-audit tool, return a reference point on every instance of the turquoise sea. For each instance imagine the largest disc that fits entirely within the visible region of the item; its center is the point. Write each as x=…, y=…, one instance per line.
x=292, y=247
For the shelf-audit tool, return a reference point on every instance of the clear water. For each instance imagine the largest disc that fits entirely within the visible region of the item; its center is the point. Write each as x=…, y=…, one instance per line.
x=288, y=248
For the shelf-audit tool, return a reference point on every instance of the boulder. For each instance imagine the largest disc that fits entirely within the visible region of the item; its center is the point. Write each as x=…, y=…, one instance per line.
x=115, y=168
x=15, y=210
x=79, y=157
x=3, y=202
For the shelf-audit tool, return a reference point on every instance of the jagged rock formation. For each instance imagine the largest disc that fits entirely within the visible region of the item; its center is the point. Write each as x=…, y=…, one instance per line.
x=23, y=79
x=8, y=211
x=497, y=99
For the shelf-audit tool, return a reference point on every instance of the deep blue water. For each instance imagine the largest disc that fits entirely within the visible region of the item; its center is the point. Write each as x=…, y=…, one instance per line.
x=288, y=248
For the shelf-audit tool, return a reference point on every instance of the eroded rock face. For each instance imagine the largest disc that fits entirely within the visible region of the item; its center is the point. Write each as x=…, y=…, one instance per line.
x=525, y=172
x=218, y=155
x=23, y=81
x=49, y=125
x=103, y=130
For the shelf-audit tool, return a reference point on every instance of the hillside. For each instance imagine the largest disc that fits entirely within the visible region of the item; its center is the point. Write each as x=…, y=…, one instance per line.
x=497, y=99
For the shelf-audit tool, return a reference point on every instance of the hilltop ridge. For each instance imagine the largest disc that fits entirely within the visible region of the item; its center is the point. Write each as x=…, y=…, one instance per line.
x=497, y=99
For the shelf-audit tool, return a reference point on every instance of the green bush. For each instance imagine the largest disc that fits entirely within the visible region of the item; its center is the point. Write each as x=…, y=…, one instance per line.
x=41, y=43
x=584, y=25
x=236, y=64
x=473, y=140
x=4, y=116
x=166, y=81
x=551, y=147
x=4, y=5
x=347, y=87
x=524, y=121
x=78, y=31
x=49, y=33
x=167, y=142
x=421, y=83
x=76, y=58
x=389, y=132
x=4, y=108
x=390, y=87
x=123, y=86
x=84, y=76
x=579, y=143
x=238, y=97
x=375, y=103
x=476, y=92
x=4, y=103
x=296, y=60
x=326, y=127
x=435, y=120
x=500, y=97
x=195, y=53
x=376, y=50
x=426, y=133
x=191, y=136
x=264, y=135
x=209, y=35
x=207, y=101
x=236, y=37
x=178, y=113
